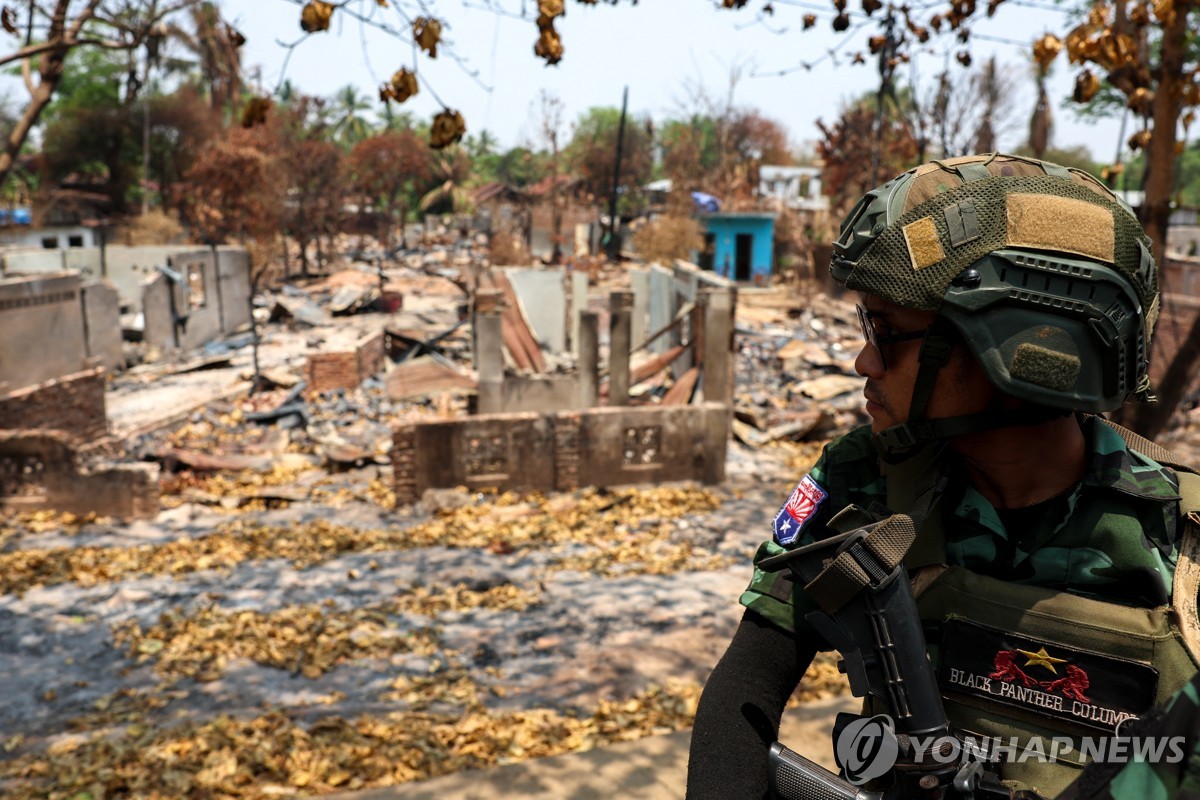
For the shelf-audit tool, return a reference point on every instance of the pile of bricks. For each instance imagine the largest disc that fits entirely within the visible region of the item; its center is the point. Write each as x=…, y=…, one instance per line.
x=327, y=372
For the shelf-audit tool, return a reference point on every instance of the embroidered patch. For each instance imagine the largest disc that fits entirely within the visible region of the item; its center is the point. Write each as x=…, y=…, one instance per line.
x=799, y=509
x=1053, y=680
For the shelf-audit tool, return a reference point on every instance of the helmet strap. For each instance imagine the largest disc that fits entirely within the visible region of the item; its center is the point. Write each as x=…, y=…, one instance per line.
x=900, y=442
x=935, y=352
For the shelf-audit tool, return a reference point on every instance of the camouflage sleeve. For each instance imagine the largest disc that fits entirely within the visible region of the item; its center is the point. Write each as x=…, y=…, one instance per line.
x=1174, y=774
x=847, y=472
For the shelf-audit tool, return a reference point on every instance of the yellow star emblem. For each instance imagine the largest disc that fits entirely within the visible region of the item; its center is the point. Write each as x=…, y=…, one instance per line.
x=1042, y=659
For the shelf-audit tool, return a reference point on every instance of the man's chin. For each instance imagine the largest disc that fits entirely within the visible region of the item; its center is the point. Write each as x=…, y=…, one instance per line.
x=881, y=418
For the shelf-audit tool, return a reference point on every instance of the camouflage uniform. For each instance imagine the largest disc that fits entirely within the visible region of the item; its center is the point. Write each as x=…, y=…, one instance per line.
x=1113, y=538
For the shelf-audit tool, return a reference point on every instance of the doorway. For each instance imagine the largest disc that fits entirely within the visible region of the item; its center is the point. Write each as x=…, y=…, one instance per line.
x=708, y=254
x=744, y=247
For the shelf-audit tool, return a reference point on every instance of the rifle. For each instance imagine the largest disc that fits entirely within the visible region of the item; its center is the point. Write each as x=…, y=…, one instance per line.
x=870, y=617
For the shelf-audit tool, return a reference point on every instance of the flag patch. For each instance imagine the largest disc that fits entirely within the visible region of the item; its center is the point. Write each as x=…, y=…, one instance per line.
x=798, y=510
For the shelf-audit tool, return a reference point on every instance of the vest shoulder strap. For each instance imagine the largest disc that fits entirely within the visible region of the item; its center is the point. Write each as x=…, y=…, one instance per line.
x=1185, y=587
x=1189, y=491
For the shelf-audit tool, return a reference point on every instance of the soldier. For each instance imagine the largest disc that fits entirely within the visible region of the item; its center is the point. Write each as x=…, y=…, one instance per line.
x=1006, y=303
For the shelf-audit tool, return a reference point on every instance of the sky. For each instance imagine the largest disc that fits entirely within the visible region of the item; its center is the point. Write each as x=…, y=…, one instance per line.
x=662, y=50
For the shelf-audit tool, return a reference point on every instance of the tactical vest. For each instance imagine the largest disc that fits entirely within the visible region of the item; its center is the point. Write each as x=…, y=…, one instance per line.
x=1025, y=661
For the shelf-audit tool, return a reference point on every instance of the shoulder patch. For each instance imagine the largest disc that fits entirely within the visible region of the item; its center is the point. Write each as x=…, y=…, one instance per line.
x=806, y=498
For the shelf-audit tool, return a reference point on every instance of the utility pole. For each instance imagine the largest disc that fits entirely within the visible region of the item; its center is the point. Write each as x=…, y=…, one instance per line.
x=614, y=223
x=887, y=68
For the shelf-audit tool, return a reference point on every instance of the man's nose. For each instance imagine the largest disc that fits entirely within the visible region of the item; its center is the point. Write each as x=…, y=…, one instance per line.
x=869, y=363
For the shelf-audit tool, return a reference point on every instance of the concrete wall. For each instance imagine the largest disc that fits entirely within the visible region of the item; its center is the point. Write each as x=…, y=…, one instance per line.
x=669, y=289
x=38, y=471
x=1181, y=276
x=102, y=321
x=1184, y=240
x=597, y=447
x=126, y=267
x=73, y=404
x=578, y=288
x=202, y=298
x=61, y=235
x=43, y=334
x=158, y=326
x=234, y=266
x=543, y=393
x=205, y=306
x=542, y=296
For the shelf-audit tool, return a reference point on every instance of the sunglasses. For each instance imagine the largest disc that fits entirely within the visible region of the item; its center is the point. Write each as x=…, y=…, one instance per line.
x=880, y=340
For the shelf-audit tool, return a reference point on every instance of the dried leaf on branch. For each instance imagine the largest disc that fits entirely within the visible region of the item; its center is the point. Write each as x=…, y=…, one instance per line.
x=255, y=111
x=315, y=16
x=448, y=127
x=427, y=32
x=1045, y=50
x=549, y=44
x=1086, y=86
x=402, y=86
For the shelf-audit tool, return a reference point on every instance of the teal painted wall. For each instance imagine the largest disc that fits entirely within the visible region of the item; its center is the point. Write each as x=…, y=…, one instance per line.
x=725, y=229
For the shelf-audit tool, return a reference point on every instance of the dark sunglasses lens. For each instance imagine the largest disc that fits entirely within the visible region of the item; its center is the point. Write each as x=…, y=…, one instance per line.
x=868, y=332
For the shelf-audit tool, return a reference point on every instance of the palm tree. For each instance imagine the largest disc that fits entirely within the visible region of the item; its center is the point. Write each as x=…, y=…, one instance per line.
x=452, y=169
x=482, y=145
x=216, y=47
x=351, y=126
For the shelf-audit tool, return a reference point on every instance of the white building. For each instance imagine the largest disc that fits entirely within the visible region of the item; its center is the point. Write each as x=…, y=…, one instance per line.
x=798, y=188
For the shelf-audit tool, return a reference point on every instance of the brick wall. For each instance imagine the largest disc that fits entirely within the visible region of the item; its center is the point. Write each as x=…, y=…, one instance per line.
x=126, y=491
x=370, y=354
x=73, y=404
x=327, y=372
x=541, y=452
x=39, y=470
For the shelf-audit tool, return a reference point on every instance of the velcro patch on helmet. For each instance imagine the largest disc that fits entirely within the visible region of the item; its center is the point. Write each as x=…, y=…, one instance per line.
x=924, y=246
x=1044, y=367
x=962, y=221
x=1047, y=222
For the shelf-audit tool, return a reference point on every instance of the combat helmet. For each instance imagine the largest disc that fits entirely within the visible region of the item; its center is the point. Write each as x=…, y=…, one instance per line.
x=1039, y=269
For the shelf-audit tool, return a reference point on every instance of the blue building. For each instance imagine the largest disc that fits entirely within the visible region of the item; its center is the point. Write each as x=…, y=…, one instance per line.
x=739, y=246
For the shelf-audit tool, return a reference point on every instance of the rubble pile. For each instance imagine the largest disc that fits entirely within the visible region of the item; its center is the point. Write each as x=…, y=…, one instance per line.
x=795, y=379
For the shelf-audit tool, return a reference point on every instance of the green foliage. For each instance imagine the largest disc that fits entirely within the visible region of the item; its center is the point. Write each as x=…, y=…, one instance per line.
x=690, y=145
x=92, y=79
x=520, y=166
x=592, y=152
x=1187, y=176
